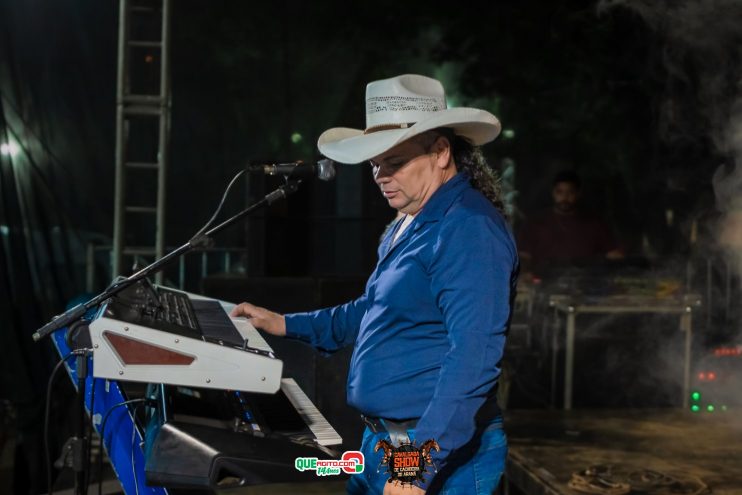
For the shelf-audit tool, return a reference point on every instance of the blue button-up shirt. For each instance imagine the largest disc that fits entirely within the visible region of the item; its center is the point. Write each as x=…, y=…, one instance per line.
x=429, y=331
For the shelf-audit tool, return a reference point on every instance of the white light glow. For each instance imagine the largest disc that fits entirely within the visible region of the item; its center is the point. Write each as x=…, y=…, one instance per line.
x=9, y=149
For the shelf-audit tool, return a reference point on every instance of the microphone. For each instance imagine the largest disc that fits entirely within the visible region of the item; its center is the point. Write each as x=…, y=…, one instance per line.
x=323, y=169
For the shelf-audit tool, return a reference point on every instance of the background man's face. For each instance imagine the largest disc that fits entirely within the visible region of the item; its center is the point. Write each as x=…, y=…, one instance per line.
x=565, y=195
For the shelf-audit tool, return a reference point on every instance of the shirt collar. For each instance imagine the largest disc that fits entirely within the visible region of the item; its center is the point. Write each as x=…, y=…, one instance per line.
x=442, y=199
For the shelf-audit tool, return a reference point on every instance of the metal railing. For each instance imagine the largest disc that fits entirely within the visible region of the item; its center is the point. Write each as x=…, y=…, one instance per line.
x=209, y=261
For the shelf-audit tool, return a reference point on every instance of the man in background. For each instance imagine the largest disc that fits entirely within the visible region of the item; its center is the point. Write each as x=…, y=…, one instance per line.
x=563, y=235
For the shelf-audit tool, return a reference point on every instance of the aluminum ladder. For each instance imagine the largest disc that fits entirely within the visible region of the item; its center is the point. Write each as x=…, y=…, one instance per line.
x=142, y=133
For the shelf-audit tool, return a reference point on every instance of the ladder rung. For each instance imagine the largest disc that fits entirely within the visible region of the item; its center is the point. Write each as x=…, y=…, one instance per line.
x=145, y=44
x=144, y=99
x=139, y=251
x=143, y=110
x=143, y=165
x=141, y=209
x=143, y=8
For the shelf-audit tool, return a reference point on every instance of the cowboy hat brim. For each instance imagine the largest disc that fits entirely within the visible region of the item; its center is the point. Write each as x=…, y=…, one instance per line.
x=346, y=145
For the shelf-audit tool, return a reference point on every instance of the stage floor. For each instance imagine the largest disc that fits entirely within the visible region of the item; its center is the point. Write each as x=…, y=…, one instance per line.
x=546, y=447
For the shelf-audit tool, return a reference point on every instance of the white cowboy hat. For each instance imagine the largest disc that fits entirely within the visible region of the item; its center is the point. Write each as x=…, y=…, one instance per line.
x=398, y=109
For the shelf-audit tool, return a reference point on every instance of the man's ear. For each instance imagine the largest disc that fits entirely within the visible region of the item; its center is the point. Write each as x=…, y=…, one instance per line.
x=442, y=149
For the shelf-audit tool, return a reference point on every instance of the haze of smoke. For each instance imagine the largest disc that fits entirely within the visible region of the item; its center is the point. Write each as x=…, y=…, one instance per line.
x=703, y=53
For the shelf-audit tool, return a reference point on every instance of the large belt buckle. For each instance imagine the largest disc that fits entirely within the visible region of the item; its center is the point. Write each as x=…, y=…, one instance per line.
x=372, y=425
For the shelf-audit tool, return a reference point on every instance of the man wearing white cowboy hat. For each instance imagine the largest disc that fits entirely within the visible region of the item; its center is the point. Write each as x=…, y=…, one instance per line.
x=429, y=330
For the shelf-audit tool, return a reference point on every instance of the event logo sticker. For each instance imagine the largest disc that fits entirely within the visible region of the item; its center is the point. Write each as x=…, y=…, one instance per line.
x=350, y=463
x=406, y=463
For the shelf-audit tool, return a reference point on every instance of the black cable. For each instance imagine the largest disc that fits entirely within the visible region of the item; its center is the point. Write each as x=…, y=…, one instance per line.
x=103, y=438
x=47, y=410
x=73, y=330
x=69, y=338
x=218, y=208
x=133, y=444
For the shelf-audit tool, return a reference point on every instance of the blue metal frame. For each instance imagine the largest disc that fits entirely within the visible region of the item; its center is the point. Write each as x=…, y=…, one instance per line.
x=126, y=454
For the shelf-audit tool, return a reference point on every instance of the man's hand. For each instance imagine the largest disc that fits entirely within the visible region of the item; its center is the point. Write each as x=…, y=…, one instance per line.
x=397, y=488
x=273, y=323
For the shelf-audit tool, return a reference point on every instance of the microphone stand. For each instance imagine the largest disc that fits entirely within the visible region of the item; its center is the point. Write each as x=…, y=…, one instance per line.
x=73, y=315
x=199, y=241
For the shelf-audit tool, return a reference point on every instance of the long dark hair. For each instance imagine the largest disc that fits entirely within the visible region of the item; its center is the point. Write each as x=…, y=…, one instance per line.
x=469, y=159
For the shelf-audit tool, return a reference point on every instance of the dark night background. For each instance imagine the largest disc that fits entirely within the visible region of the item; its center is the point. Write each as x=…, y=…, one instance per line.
x=636, y=97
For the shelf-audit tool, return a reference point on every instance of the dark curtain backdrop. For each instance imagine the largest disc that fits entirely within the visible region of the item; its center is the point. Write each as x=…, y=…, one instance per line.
x=611, y=92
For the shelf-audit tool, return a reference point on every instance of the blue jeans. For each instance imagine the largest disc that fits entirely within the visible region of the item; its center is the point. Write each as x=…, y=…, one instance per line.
x=476, y=470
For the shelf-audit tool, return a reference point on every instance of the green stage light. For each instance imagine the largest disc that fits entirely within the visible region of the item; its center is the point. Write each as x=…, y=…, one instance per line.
x=695, y=396
x=710, y=408
x=695, y=408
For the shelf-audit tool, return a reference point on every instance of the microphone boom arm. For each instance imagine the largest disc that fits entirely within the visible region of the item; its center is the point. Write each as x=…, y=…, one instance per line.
x=198, y=241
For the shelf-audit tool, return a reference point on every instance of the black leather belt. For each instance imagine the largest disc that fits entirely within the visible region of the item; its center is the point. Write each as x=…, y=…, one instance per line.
x=397, y=429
